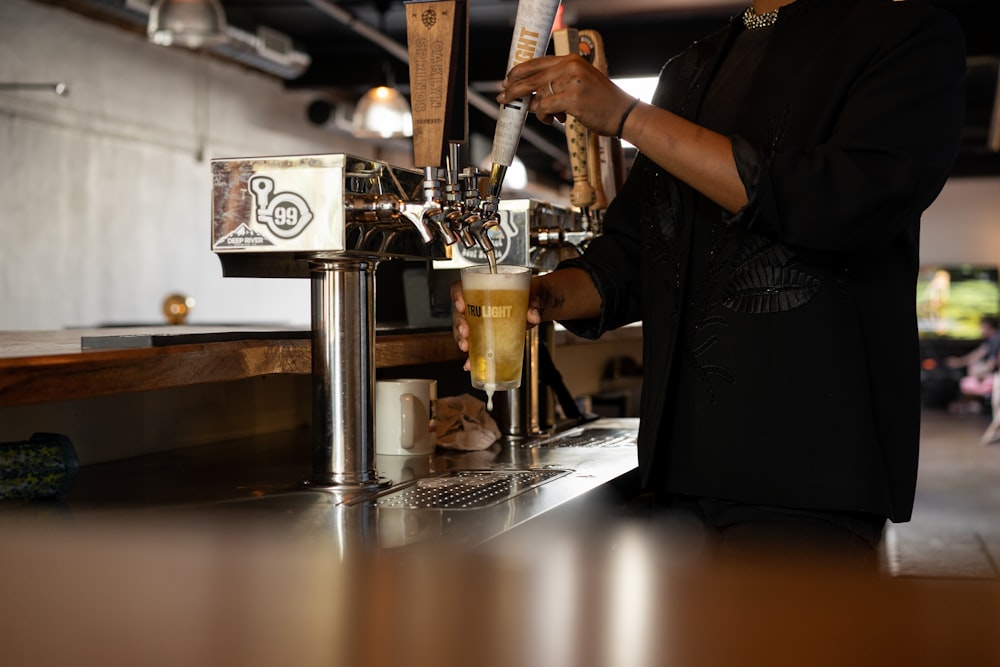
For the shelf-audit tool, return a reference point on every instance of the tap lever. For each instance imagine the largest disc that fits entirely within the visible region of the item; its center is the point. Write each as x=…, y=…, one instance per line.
x=452, y=184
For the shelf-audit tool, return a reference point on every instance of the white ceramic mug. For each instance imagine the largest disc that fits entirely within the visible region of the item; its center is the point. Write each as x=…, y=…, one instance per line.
x=405, y=416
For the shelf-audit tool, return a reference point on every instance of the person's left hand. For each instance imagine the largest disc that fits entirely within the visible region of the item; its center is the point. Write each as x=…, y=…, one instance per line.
x=561, y=85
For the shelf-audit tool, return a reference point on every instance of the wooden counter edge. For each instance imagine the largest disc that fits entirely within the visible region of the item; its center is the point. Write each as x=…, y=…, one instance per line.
x=69, y=376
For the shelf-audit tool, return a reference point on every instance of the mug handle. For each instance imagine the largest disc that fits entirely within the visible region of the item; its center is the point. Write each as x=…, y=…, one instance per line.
x=407, y=430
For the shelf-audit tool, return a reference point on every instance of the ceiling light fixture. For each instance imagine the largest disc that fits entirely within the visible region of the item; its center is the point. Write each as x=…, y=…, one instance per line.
x=383, y=111
x=187, y=23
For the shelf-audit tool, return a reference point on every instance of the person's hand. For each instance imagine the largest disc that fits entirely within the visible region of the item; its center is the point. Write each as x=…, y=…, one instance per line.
x=536, y=297
x=459, y=326
x=561, y=85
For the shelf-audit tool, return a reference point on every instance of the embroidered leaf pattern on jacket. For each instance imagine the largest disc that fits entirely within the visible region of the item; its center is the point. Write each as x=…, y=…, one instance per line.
x=707, y=371
x=763, y=281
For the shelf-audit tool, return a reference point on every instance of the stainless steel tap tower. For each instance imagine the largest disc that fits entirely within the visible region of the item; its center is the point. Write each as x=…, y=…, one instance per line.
x=330, y=218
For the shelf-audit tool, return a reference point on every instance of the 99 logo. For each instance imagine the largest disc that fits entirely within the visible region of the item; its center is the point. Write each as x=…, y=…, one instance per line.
x=286, y=214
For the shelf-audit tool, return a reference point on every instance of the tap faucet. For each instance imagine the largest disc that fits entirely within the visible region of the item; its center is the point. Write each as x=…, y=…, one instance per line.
x=478, y=227
x=476, y=221
x=428, y=216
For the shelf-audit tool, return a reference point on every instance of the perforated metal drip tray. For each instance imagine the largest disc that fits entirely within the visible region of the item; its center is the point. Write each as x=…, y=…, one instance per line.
x=588, y=437
x=466, y=489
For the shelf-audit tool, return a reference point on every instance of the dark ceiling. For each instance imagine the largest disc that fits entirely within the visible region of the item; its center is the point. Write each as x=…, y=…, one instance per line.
x=639, y=35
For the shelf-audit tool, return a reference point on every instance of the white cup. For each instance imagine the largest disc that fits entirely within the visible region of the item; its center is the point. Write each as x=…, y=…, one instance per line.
x=405, y=416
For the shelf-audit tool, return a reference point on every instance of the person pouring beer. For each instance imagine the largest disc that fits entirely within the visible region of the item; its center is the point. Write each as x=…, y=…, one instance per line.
x=767, y=239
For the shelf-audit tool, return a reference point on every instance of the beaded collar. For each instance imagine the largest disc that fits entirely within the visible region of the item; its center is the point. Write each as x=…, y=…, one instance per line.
x=754, y=21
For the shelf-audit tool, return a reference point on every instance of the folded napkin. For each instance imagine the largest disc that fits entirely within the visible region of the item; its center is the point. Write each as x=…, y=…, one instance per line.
x=463, y=423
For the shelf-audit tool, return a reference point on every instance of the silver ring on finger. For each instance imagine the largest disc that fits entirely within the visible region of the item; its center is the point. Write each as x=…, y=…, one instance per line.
x=551, y=90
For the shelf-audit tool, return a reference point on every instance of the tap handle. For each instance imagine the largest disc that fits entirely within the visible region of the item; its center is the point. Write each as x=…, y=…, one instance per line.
x=438, y=55
x=566, y=41
x=452, y=188
x=605, y=153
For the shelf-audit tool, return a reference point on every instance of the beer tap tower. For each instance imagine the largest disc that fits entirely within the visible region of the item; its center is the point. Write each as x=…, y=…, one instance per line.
x=437, y=37
x=332, y=218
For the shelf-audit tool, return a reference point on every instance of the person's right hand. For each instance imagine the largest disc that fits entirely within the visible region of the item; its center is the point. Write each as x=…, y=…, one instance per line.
x=558, y=85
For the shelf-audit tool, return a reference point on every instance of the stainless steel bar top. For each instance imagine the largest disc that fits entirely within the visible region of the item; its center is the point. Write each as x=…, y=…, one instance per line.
x=452, y=497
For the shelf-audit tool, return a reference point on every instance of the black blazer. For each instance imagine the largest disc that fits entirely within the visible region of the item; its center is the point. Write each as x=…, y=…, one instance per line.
x=790, y=376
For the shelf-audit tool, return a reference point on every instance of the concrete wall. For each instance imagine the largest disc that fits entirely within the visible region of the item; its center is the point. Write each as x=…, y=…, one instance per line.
x=105, y=193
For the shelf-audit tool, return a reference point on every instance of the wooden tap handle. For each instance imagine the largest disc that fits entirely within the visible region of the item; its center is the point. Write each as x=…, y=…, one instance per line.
x=564, y=42
x=436, y=33
x=604, y=155
x=582, y=194
x=594, y=172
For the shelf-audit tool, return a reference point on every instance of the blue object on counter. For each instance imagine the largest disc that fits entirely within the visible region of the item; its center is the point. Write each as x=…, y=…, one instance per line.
x=43, y=467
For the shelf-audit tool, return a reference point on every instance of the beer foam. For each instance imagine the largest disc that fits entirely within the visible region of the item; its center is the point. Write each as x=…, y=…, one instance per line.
x=505, y=278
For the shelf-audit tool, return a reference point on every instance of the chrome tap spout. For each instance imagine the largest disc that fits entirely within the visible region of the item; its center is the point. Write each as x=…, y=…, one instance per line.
x=422, y=216
x=479, y=226
x=455, y=220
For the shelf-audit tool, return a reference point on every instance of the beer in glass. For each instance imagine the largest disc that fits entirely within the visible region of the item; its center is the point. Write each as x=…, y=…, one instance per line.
x=496, y=308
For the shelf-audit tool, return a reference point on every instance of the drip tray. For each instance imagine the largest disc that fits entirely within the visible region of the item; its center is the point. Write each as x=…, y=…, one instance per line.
x=466, y=489
x=589, y=437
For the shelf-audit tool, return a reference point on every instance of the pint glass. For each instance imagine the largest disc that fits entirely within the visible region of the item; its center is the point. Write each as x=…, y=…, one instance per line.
x=496, y=308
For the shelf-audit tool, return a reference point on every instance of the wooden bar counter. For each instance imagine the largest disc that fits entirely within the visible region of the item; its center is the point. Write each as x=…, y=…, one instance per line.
x=44, y=366
x=120, y=392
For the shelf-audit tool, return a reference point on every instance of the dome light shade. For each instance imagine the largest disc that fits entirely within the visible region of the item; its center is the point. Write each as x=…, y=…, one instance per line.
x=188, y=23
x=384, y=113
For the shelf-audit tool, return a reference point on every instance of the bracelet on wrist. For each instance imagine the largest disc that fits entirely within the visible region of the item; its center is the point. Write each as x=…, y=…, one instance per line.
x=628, y=110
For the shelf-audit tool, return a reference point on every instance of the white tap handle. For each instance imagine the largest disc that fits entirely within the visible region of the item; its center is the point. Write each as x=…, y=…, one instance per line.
x=532, y=30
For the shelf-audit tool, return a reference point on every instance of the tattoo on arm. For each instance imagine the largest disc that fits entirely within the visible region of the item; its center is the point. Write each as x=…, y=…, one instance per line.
x=557, y=301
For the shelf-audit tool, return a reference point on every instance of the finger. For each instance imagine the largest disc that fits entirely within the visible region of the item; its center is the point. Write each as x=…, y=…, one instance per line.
x=531, y=68
x=535, y=296
x=458, y=296
x=529, y=78
x=460, y=332
x=548, y=76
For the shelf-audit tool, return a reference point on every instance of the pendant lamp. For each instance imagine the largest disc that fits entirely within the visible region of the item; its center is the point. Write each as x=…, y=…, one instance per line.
x=188, y=23
x=383, y=111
